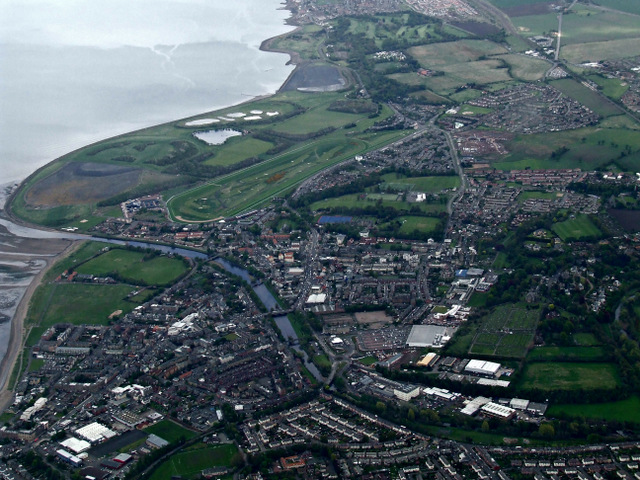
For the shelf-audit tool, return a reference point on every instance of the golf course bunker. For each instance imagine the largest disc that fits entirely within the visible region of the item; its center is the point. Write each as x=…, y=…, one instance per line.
x=315, y=78
x=82, y=183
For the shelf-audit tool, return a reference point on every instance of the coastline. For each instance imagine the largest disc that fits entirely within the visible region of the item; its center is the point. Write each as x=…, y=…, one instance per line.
x=18, y=335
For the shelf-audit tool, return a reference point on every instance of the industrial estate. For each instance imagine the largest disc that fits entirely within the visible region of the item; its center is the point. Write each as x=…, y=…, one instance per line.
x=420, y=259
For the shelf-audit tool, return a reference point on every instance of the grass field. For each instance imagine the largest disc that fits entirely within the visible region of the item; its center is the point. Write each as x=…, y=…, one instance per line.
x=585, y=339
x=421, y=224
x=398, y=27
x=589, y=148
x=508, y=331
x=237, y=149
x=420, y=184
x=622, y=411
x=525, y=67
x=257, y=184
x=570, y=376
x=576, y=228
x=439, y=55
x=571, y=354
x=355, y=201
x=190, y=462
x=133, y=267
x=622, y=5
x=368, y=361
x=597, y=51
x=611, y=87
x=83, y=304
x=170, y=431
x=586, y=96
x=304, y=40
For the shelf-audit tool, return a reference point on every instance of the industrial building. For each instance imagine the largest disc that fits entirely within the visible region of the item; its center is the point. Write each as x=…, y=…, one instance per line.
x=406, y=392
x=435, y=336
x=482, y=367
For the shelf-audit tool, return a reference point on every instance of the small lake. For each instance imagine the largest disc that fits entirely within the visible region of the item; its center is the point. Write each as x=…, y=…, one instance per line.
x=217, y=137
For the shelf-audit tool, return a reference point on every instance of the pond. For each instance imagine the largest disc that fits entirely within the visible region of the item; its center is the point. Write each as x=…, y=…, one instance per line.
x=217, y=137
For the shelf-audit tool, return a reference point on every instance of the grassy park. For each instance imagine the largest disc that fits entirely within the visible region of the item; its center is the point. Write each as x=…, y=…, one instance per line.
x=550, y=376
x=170, y=431
x=135, y=267
x=577, y=228
x=190, y=462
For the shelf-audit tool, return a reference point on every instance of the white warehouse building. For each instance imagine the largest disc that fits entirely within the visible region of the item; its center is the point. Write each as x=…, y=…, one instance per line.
x=482, y=367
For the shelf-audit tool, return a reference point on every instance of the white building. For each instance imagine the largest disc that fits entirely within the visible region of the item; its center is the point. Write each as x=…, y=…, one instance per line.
x=406, y=392
x=482, y=367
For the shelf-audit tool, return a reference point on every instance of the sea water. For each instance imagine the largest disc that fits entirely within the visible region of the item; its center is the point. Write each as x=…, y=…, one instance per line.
x=73, y=72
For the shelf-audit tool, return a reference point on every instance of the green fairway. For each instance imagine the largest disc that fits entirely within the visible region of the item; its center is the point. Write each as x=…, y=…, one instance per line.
x=237, y=149
x=170, y=431
x=318, y=142
x=578, y=228
x=570, y=376
x=135, y=267
x=190, y=462
x=623, y=411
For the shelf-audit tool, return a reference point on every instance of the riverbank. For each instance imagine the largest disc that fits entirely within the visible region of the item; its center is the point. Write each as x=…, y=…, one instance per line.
x=18, y=334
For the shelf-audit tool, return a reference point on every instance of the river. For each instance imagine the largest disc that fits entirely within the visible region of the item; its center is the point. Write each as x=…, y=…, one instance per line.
x=282, y=321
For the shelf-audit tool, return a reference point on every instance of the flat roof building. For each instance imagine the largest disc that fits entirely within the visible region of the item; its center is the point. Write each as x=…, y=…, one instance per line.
x=406, y=392
x=95, y=432
x=429, y=336
x=482, y=367
x=497, y=410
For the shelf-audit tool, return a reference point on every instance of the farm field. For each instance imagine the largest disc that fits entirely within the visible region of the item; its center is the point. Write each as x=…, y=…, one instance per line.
x=586, y=96
x=600, y=147
x=570, y=376
x=597, y=51
x=576, y=228
x=438, y=55
x=135, y=267
x=627, y=410
x=190, y=462
x=611, y=87
x=508, y=331
x=622, y=5
x=568, y=354
x=524, y=67
x=586, y=24
x=170, y=431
